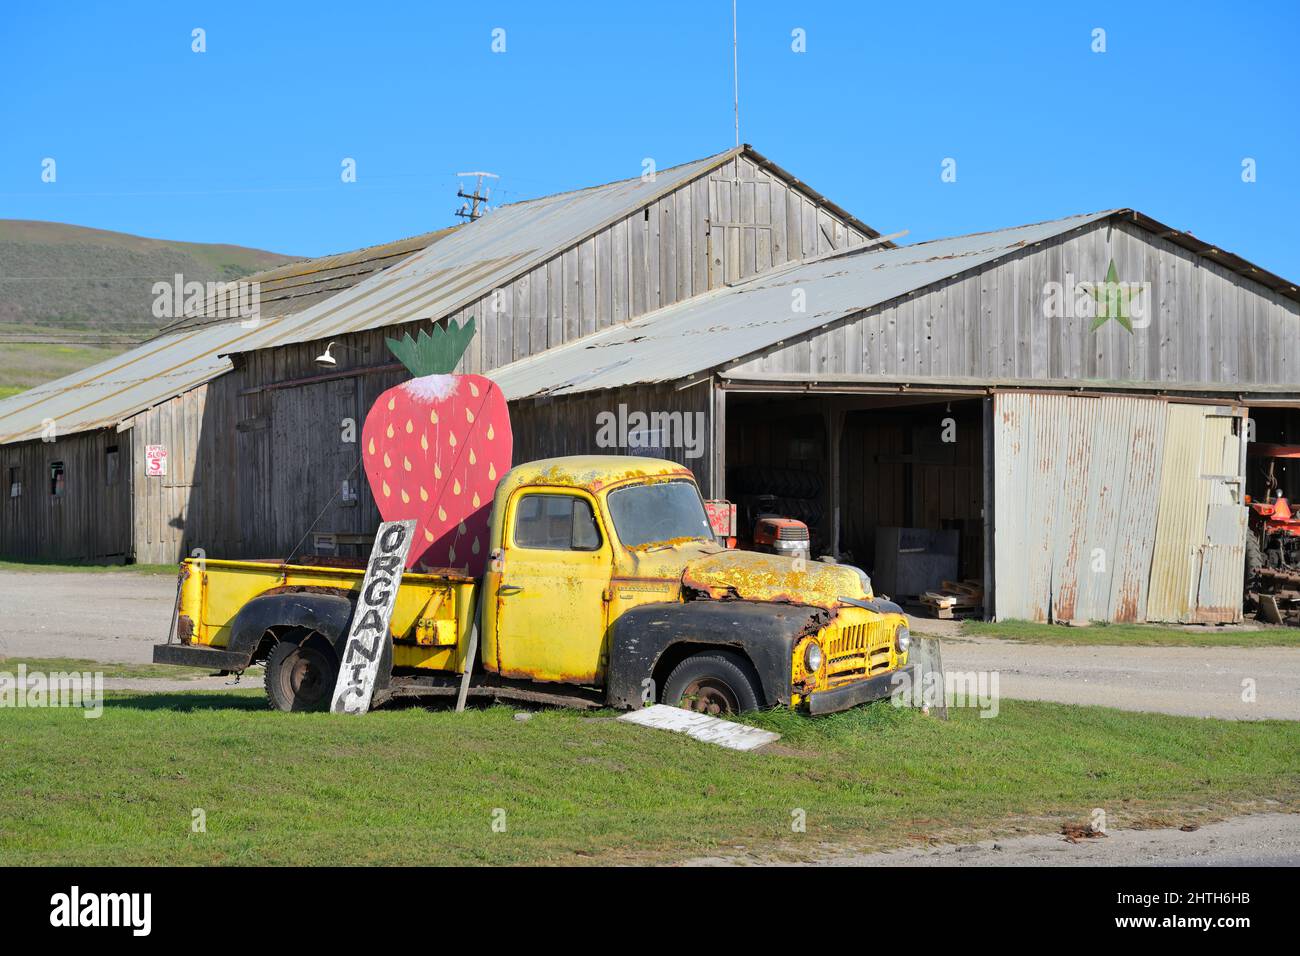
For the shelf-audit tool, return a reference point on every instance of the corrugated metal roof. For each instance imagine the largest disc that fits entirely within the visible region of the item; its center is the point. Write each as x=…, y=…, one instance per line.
x=707, y=331
x=458, y=269
x=294, y=286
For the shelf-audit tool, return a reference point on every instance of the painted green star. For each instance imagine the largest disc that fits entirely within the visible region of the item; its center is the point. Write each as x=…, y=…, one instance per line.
x=1110, y=294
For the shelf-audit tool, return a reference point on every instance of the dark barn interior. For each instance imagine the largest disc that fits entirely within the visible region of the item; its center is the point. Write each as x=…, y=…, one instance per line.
x=880, y=480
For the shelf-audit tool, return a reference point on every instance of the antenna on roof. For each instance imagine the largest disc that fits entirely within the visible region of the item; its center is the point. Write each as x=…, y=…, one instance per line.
x=478, y=199
x=735, y=69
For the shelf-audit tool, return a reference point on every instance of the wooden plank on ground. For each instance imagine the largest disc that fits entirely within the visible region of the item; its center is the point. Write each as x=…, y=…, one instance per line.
x=710, y=730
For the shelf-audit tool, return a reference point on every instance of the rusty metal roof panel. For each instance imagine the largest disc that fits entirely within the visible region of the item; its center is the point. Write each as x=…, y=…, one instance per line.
x=704, y=332
x=113, y=390
x=294, y=286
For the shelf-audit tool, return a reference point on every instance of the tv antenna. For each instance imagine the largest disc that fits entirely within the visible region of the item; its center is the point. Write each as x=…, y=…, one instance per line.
x=477, y=203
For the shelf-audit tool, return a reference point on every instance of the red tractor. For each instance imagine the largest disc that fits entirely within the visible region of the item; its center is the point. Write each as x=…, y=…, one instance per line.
x=1273, y=543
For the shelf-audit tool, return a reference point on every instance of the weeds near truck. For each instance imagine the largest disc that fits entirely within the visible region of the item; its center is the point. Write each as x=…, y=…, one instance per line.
x=420, y=786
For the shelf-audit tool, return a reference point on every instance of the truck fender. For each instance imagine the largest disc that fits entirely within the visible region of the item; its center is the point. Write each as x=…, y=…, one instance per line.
x=327, y=614
x=765, y=632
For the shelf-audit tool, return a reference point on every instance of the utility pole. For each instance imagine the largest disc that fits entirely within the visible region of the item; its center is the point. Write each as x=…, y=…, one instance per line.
x=478, y=200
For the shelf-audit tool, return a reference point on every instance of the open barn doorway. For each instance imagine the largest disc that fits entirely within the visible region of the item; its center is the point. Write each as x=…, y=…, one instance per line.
x=894, y=484
x=1272, y=547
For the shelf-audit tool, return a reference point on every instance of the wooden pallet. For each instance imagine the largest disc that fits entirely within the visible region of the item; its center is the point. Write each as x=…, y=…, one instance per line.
x=953, y=599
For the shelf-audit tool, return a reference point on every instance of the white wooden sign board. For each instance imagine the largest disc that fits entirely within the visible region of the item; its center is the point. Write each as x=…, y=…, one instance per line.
x=359, y=665
x=155, y=461
x=711, y=730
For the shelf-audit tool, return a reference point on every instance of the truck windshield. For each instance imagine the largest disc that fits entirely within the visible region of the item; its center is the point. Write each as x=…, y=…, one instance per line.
x=661, y=511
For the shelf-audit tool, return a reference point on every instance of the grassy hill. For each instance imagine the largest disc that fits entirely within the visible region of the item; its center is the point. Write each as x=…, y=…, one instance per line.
x=71, y=296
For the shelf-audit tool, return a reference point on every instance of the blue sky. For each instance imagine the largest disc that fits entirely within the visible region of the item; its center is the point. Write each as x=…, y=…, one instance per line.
x=243, y=143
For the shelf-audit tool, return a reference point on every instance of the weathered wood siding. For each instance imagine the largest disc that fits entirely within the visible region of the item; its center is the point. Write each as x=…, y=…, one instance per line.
x=549, y=427
x=1208, y=325
x=192, y=505
x=89, y=522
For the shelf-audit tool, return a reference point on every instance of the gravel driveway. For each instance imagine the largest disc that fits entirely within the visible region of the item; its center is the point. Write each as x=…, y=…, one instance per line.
x=1264, y=839
x=1192, y=681
x=101, y=616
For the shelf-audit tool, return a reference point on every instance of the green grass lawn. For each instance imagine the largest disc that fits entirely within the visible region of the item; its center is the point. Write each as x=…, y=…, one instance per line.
x=56, y=567
x=406, y=786
x=51, y=665
x=1132, y=634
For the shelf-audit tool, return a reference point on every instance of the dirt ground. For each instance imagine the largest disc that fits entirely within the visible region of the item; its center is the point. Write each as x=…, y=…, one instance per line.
x=1265, y=839
x=119, y=616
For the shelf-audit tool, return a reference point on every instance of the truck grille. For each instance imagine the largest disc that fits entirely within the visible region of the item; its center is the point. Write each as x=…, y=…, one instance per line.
x=858, y=649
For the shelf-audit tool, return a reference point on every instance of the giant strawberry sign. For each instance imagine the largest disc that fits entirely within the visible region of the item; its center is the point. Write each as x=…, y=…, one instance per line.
x=434, y=449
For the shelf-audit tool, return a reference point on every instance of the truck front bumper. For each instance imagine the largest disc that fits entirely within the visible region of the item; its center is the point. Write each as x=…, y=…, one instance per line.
x=199, y=655
x=858, y=692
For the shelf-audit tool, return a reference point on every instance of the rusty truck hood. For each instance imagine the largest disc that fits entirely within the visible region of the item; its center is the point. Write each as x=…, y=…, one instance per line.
x=755, y=576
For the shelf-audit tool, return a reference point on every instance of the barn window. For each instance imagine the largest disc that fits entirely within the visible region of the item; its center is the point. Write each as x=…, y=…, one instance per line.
x=15, y=482
x=110, y=465
x=56, y=479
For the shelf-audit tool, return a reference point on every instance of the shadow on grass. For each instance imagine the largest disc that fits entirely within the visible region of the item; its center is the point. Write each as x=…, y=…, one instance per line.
x=195, y=701
x=187, y=702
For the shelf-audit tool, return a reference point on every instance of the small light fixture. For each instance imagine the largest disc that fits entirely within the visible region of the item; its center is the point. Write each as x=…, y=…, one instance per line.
x=327, y=357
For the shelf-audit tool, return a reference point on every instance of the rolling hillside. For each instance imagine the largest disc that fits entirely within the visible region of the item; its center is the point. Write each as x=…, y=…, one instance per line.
x=71, y=296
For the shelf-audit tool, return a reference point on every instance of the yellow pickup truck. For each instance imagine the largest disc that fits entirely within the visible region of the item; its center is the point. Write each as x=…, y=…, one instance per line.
x=605, y=587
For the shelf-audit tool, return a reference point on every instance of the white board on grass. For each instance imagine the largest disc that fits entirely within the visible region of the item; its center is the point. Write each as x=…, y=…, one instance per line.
x=359, y=665
x=711, y=730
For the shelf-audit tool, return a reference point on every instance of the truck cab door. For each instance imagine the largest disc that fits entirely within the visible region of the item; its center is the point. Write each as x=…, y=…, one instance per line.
x=547, y=592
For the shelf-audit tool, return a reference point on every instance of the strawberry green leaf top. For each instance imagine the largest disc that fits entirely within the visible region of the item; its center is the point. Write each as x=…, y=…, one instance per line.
x=433, y=353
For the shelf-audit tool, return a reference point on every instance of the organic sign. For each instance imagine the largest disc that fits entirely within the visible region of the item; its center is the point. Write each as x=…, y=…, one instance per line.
x=434, y=449
x=369, y=632
x=155, y=461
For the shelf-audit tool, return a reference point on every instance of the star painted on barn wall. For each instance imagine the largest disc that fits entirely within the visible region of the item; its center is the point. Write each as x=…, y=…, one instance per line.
x=1113, y=294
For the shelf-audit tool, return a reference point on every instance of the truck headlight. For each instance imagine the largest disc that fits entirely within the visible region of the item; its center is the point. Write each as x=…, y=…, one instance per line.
x=812, y=657
x=902, y=639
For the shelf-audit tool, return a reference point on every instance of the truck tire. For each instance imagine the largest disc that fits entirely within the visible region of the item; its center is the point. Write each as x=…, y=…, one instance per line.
x=715, y=683
x=300, y=674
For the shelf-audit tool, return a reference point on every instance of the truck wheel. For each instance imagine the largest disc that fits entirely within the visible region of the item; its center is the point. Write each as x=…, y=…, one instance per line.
x=715, y=683
x=300, y=675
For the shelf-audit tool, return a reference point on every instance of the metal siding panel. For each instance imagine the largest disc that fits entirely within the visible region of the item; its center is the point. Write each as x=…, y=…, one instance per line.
x=1179, y=516
x=1072, y=475
x=1012, y=481
x=1132, y=562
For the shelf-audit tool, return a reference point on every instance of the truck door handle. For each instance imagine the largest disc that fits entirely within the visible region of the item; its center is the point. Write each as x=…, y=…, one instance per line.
x=508, y=589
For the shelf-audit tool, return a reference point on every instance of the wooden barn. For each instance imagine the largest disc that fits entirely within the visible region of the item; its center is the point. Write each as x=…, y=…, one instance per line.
x=1057, y=411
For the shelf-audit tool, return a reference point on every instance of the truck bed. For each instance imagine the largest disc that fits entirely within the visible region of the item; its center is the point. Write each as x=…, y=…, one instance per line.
x=430, y=624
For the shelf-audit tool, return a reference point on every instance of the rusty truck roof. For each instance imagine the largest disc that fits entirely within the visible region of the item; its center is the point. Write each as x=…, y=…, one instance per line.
x=591, y=472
